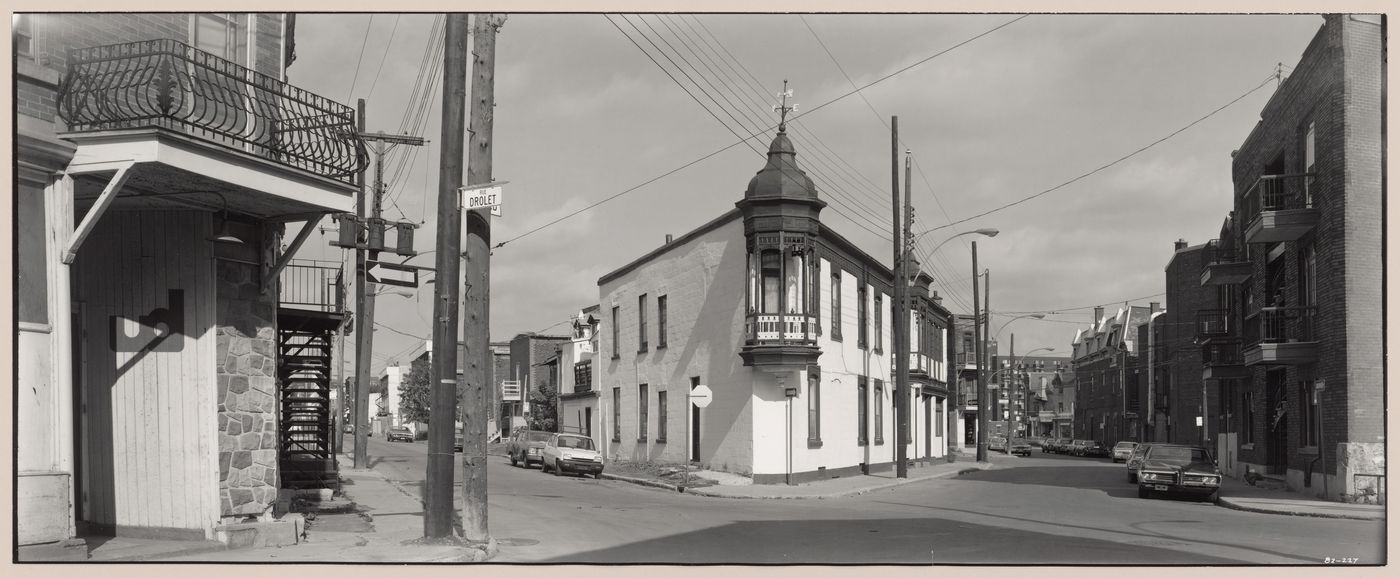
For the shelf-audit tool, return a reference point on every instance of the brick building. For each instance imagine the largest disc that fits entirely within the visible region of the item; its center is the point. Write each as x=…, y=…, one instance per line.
x=788, y=323
x=1107, y=393
x=176, y=380
x=1295, y=341
x=964, y=353
x=1178, y=387
x=529, y=354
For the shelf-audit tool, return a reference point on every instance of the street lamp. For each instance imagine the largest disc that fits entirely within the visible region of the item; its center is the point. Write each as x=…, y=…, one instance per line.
x=1026, y=316
x=990, y=232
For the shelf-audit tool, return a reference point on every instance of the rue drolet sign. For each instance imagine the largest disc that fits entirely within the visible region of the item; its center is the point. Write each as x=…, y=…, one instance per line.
x=482, y=197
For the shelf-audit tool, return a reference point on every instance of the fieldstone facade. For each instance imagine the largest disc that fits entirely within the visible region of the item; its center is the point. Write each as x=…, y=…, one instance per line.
x=246, y=365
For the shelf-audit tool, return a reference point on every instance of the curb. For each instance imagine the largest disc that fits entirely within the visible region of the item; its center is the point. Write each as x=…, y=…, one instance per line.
x=847, y=493
x=642, y=482
x=1232, y=505
x=201, y=549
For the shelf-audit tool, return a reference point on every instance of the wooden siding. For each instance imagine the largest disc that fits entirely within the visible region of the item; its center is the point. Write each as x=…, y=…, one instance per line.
x=149, y=422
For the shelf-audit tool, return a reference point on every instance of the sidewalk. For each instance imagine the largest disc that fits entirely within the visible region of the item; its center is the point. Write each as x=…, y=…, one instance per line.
x=1238, y=495
x=393, y=532
x=834, y=488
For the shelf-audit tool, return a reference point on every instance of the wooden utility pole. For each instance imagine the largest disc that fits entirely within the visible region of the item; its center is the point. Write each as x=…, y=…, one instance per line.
x=978, y=347
x=476, y=402
x=364, y=310
x=987, y=338
x=438, y=506
x=898, y=325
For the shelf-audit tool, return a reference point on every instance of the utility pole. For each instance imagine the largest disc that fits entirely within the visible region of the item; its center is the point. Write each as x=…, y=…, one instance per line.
x=987, y=337
x=1013, y=386
x=438, y=506
x=978, y=345
x=898, y=325
x=364, y=309
x=477, y=330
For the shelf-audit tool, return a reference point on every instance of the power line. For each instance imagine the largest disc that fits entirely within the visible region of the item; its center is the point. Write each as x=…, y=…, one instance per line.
x=359, y=60
x=732, y=145
x=1063, y=309
x=1119, y=160
x=387, y=46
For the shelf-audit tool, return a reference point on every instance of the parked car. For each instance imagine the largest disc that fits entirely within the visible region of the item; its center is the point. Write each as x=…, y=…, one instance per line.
x=1122, y=451
x=1095, y=449
x=1179, y=470
x=1048, y=446
x=1135, y=461
x=1077, y=447
x=565, y=453
x=527, y=446
x=399, y=432
x=996, y=443
x=1020, y=447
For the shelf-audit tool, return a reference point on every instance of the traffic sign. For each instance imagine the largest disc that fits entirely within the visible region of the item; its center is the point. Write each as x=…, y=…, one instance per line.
x=701, y=396
x=391, y=274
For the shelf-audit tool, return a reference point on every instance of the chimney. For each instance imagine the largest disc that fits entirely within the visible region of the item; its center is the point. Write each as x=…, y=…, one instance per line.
x=1180, y=244
x=668, y=238
x=1153, y=307
x=1098, y=314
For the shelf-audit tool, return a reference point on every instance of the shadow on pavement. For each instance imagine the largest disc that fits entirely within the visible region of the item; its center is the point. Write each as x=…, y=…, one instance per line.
x=1115, y=485
x=885, y=541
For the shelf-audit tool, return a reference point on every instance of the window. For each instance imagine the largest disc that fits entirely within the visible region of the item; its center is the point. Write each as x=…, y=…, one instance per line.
x=1309, y=161
x=615, y=348
x=835, y=304
x=583, y=376
x=642, y=412
x=1308, y=396
x=770, y=270
x=879, y=321
x=879, y=412
x=814, y=408
x=24, y=34
x=661, y=417
x=617, y=412
x=661, y=322
x=862, y=412
x=862, y=317
x=218, y=34
x=641, y=323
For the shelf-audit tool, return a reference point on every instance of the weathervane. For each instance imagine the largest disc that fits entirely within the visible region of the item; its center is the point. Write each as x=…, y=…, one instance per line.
x=782, y=109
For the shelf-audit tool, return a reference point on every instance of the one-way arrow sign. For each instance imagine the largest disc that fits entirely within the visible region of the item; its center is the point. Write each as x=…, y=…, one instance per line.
x=391, y=274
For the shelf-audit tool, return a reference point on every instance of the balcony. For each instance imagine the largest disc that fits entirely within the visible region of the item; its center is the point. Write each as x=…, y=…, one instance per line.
x=1223, y=265
x=924, y=367
x=780, y=341
x=967, y=361
x=1212, y=323
x=160, y=124
x=1222, y=359
x=312, y=286
x=1280, y=336
x=1278, y=208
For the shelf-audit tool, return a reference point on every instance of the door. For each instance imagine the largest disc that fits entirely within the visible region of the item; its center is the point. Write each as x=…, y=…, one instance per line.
x=694, y=433
x=970, y=429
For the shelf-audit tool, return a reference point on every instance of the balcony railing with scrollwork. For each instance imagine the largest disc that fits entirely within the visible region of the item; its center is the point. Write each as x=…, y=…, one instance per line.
x=1276, y=193
x=774, y=329
x=168, y=84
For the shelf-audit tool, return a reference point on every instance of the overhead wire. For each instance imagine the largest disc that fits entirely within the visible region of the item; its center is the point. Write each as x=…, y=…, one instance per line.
x=356, y=78
x=387, y=46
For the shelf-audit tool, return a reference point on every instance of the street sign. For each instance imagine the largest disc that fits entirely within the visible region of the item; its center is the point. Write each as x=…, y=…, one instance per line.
x=391, y=274
x=701, y=396
x=482, y=196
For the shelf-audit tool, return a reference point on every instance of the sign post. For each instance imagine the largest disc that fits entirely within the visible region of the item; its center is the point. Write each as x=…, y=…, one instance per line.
x=700, y=396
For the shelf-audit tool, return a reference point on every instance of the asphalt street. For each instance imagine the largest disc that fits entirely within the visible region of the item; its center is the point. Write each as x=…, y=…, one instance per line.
x=1048, y=509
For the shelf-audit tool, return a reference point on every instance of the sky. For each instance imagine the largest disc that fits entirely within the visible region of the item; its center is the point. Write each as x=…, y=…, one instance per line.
x=584, y=113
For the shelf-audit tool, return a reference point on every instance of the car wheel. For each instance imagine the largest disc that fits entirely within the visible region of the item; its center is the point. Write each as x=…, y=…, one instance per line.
x=1132, y=478
x=1214, y=497
x=1144, y=493
x=558, y=471
x=513, y=462
x=598, y=476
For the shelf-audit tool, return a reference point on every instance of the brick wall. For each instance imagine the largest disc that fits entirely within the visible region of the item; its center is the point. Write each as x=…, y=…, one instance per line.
x=1176, y=332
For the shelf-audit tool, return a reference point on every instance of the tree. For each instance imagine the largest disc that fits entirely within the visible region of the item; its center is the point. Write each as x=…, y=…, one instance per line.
x=543, y=412
x=416, y=392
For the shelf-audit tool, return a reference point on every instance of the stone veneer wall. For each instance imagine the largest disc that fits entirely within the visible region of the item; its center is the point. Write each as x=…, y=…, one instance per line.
x=246, y=365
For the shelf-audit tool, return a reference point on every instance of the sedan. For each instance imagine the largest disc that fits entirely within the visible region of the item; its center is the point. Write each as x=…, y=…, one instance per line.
x=1019, y=447
x=1135, y=461
x=565, y=453
x=1096, y=450
x=527, y=446
x=399, y=432
x=1122, y=451
x=1179, y=470
x=996, y=443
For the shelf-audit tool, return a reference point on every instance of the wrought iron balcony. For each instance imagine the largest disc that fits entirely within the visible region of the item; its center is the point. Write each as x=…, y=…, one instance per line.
x=1278, y=208
x=1223, y=265
x=780, y=340
x=1281, y=336
x=169, y=85
x=313, y=286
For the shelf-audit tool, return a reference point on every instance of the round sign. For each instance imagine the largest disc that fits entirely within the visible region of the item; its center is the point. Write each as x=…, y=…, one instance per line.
x=701, y=396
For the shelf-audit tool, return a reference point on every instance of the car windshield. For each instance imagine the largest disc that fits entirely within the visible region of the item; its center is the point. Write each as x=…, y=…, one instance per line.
x=1126, y=445
x=1180, y=456
x=537, y=436
x=398, y=428
x=575, y=442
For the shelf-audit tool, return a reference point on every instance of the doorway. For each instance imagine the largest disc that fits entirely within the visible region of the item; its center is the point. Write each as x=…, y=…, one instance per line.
x=970, y=429
x=588, y=422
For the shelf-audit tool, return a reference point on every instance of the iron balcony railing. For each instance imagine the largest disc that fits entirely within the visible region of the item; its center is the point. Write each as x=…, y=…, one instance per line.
x=774, y=329
x=1281, y=325
x=168, y=84
x=967, y=358
x=1217, y=253
x=1212, y=322
x=1226, y=352
x=314, y=285
x=1277, y=193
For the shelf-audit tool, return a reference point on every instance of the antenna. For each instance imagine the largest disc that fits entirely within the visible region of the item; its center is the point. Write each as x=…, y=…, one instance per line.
x=782, y=108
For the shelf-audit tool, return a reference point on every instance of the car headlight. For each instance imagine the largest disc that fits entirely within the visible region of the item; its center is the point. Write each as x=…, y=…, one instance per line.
x=1155, y=476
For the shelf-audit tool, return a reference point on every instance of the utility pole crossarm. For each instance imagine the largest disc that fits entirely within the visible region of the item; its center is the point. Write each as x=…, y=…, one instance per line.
x=384, y=137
